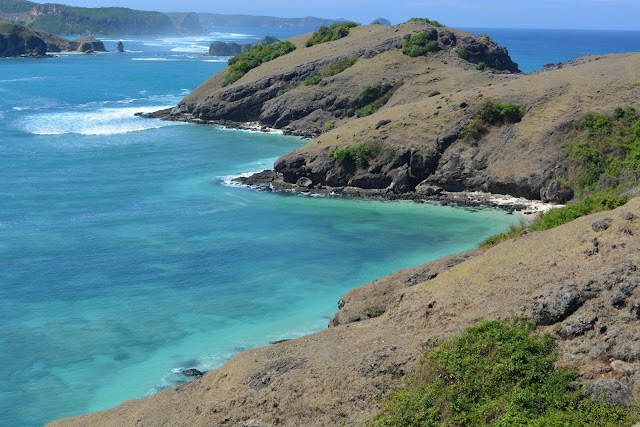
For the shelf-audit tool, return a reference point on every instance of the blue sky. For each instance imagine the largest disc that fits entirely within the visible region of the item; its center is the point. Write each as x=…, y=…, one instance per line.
x=568, y=14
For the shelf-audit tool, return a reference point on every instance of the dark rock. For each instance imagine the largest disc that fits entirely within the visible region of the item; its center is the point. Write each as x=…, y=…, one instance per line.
x=428, y=190
x=192, y=373
x=88, y=45
x=463, y=105
x=556, y=192
x=120, y=47
x=482, y=49
x=273, y=368
x=304, y=182
x=612, y=392
x=260, y=179
x=627, y=288
x=382, y=123
x=635, y=310
x=218, y=48
x=279, y=341
x=576, y=328
x=629, y=216
x=602, y=225
x=553, y=309
x=618, y=300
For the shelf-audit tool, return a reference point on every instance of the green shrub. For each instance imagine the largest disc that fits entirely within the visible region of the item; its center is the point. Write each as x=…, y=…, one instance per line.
x=606, y=152
x=496, y=374
x=494, y=113
x=473, y=130
x=240, y=64
x=311, y=81
x=330, y=33
x=375, y=97
x=463, y=53
x=358, y=154
x=597, y=124
x=421, y=44
x=598, y=202
x=426, y=21
x=491, y=114
x=339, y=66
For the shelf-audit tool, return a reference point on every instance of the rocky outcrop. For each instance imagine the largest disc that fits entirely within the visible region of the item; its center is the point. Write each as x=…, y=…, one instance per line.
x=337, y=376
x=218, y=48
x=87, y=45
x=120, y=47
x=16, y=40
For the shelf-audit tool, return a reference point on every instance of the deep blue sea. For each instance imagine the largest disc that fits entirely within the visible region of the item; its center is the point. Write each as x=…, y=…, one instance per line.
x=124, y=255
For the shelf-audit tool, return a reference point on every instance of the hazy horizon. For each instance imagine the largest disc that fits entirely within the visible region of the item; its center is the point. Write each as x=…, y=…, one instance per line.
x=542, y=14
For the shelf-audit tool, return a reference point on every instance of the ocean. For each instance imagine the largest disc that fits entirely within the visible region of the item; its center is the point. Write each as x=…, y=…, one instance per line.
x=127, y=256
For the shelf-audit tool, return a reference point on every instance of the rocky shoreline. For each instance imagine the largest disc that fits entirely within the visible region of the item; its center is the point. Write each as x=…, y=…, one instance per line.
x=271, y=181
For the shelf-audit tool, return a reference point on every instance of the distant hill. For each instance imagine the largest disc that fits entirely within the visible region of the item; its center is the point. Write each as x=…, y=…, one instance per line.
x=17, y=40
x=217, y=20
x=62, y=19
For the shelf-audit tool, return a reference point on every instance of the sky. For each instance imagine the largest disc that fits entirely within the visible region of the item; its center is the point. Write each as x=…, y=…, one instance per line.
x=561, y=14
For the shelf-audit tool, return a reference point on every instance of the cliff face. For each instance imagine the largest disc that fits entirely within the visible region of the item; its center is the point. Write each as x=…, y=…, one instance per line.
x=414, y=141
x=579, y=283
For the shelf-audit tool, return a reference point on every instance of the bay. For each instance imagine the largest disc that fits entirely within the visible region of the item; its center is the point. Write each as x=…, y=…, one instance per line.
x=125, y=256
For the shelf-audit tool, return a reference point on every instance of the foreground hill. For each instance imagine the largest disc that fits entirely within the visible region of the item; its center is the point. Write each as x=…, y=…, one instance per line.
x=16, y=40
x=412, y=118
x=580, y=284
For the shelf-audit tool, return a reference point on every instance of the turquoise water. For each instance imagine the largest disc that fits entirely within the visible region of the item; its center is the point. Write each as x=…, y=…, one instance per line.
x=124, y=256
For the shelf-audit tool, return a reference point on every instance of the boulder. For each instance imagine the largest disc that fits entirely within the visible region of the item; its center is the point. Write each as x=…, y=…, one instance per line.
x=120, y=47
x=556, y=192
x=192, y=373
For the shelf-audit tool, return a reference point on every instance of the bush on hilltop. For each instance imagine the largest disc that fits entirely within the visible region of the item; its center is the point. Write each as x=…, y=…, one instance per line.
x=240, y=65
x=330, y=33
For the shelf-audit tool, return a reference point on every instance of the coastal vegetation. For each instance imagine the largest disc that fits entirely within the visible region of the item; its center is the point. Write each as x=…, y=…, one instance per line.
x=426, y=21
x=331, y=70
x=606, y=153
x=375, y=97
x=597, y=202
x=330, y=33
x=358, y=154
x=497, y=374
x=421, y=44
x=15, y=6
x=339, y=66
x=104, y=20
x=240, y=65
x=491, y=114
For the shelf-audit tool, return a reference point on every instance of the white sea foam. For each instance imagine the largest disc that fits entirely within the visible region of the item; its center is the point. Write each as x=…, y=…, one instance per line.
x=191, y=49
x=228, y=180
x=154, y=59
x=219, y=35
x=22, y=79
x=103, y=121
x=215, y=60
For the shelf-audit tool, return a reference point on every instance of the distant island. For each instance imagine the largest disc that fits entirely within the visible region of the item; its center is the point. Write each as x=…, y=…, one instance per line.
x=62, y=19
